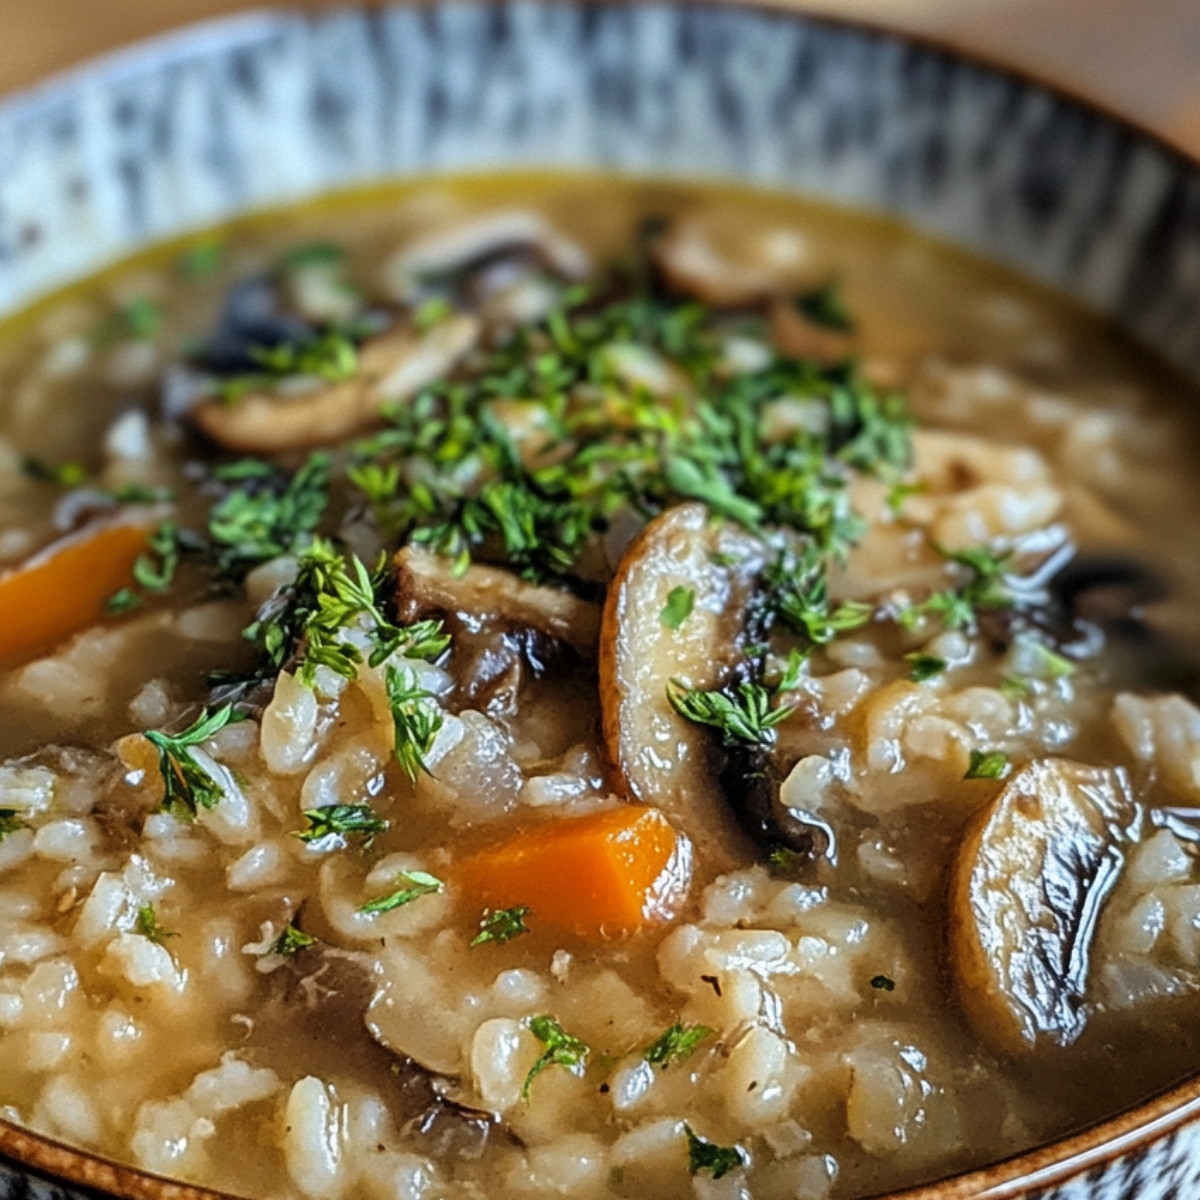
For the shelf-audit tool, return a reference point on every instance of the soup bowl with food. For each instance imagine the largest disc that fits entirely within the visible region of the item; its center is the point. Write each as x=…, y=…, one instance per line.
x=597, y=601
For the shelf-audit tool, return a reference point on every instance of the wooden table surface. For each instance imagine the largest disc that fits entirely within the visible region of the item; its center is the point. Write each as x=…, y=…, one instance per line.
x=1141, y=57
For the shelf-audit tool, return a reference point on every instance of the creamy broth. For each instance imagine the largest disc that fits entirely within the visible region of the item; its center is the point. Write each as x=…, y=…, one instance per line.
x=979, y=763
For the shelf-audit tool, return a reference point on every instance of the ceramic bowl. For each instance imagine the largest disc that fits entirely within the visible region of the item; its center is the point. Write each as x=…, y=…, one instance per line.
x=266, y=109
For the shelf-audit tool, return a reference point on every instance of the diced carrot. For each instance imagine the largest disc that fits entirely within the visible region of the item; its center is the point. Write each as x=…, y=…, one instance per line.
x=599, y=876
x=63, y=589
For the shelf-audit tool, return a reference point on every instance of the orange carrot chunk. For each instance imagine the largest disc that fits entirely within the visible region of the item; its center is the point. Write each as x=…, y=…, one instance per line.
x=599, y=876
x=63, y=588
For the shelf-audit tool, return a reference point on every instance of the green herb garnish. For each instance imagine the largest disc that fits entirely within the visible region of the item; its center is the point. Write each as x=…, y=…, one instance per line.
x=416, y=719
x=66, y=474
x=745, y=716
x=676, y=1044
x=147, y=925
x=342, y=821
x=305, y=621
x=155, y=570
x=985, y=588
x=787, y=862
x=1050, y=664
x=502, y=924
x=201, y=261
x=188, y=786
x=122, y=601
x=634, y=450
x=562, y=1050
x=679, y=605
x=432, y=312
x=704, y=1155
x=312, y=254
x=332, y=357
x=923, y=667
x=798, y=593
x=988, y=764
x=414, y=884
x=292, y=941
x=10, y=822
x=140, y=319
x=266, y=515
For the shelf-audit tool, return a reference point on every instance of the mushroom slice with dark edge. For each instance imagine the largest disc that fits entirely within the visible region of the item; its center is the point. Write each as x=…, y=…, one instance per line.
x=391, y=367
x=752, y=783
x=693, y=264
x=660, y=758
x=469, y=246
x=1027, y=888
x=427, y=583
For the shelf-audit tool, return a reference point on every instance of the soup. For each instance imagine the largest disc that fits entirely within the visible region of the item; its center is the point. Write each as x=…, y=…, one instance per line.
x=559, y=686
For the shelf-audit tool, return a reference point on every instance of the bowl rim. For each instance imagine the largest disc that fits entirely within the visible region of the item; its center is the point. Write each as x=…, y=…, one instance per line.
x=1131, y=1129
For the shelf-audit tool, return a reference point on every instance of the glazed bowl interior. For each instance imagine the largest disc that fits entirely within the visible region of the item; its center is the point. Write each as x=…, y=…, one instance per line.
x=254, y=112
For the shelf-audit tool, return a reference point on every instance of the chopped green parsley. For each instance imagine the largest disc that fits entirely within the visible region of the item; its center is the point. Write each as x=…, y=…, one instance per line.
x=147, y=925
x=986, y=587
x=718, y=1161
x=676, y=1044
x=140, y=319
x=266, y=514
x=65, y=474
x=10, y=822
x=635, y=450
x=305, y=622
x=562, y=1050
x=292, y=941
x=744, y=716
x=416, y=719
x=799, y=595
x=502, y=924
x=340, y=821
x=188, y=786
x=201, y=261
x=414, y=884
x=923, y=667
x=988, y=764
x=679, y=605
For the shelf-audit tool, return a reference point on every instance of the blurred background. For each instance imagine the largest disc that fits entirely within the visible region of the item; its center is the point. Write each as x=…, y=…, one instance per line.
x=1140, y=57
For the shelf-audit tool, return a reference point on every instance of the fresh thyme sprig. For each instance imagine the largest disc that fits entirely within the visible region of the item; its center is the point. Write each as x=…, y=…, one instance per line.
x=266, y=513
x=308, y=620
x=743, y=715
x=416, y=719
x=562, y=1050
x=336, y=822
x=189, y=786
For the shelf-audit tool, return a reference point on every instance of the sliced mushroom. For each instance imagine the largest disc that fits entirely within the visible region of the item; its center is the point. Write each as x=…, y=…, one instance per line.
x=801, y=337
x=660, y=758
x=1028, y=885
x=427, y=583
x=484, y=243
x=751, y=784
x=392, y=367
x=692, y=264
x=254, y=317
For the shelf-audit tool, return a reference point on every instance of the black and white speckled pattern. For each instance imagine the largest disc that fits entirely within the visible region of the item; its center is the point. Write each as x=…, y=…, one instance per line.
x=263, y=109
x=17, y=1184
x=267, y=108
